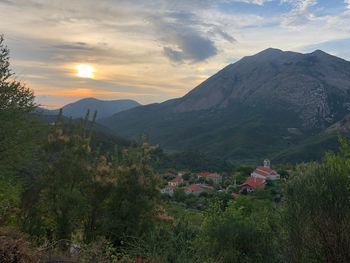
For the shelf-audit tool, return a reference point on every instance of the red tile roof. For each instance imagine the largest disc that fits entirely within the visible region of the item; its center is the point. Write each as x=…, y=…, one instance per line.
x=254, y=182
x=210, y=175
x=265, y=171
x=204, y=174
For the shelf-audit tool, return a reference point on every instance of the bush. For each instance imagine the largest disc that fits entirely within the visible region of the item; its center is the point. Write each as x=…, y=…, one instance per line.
x=317, y=211
x=101, y=251
x=246, y=231
x=15, y=248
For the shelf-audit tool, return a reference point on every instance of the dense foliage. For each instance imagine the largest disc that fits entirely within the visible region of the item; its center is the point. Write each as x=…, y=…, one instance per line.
x=19, y=134
x=246, y=231
x=81, y=191
x=317, y=210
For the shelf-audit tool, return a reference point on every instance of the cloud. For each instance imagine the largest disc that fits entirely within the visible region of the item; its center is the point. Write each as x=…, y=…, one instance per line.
x=73, y=46
x=92, y=92
x=339, y=23
x=348, y=3
x=255, y=2
x=337, y=47
x=190, y=46
x=300, y=13
x=175, y=30
x=223, y=34
x=8, y=2
x=58, y=52
x=186, y=38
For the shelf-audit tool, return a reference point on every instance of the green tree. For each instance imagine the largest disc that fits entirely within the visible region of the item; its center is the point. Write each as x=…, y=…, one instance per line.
x=166, y=243
x=13, y=94
x=19, y=134
x=179, y=195
x=58, y=194
x=317, y=210
x=130, y=208
x=186, y=176
x=246, y=231
x=15, y=101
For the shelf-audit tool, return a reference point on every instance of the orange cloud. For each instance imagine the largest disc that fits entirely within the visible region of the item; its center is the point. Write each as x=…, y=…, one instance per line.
x=88, y=92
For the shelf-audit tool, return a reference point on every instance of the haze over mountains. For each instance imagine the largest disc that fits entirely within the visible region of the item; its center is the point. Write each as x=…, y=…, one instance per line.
x=104, y=108
x=261, y=106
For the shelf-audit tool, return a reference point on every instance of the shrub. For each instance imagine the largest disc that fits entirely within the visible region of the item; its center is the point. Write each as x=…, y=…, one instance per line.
x=15, y=248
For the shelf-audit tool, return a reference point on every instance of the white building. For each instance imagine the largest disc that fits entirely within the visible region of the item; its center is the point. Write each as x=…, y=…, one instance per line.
x=265, y=172
x=175, y=182
x=167, y=190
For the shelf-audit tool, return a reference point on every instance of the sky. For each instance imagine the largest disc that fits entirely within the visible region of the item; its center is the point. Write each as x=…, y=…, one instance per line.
x=155, y=50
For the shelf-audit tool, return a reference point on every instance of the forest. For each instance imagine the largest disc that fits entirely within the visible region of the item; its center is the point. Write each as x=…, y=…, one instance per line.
x=69, y=194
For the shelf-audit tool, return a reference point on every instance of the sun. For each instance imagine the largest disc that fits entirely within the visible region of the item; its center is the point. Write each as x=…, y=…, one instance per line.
x=85, y=71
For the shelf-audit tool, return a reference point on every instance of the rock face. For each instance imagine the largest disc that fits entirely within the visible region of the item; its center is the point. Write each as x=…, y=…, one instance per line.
x=312, y=85
x=249, y=107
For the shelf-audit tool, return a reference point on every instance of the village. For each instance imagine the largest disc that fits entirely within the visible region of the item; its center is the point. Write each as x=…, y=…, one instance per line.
x=204, y=183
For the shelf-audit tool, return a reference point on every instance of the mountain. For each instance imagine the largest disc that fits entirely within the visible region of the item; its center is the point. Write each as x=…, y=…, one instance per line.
x=261, y=106
x=104, y=108
x=102, y=136
x=45, y=112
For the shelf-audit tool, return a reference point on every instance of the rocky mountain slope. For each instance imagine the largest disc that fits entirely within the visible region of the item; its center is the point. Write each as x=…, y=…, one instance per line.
x=255, y=108
x=314, y=85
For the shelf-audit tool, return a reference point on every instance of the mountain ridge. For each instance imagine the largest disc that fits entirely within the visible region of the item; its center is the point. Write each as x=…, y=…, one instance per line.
x=104, y=108
x=274, y=65
x=256, y=101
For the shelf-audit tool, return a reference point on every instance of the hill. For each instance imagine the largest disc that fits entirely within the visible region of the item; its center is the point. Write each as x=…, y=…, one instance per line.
x=258, y=107
x=104, y=108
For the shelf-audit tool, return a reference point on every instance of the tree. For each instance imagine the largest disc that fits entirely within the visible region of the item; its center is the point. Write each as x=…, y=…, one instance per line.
x=179, y=195
x=16, y=127
x=18, y=134
x=130, y=207
x=56, y=200
x=167, y=242
x=13, y=94
x=317, y=210
x=186, y=176
x=246, y=231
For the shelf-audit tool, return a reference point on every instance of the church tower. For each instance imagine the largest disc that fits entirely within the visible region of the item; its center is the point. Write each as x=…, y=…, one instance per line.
x=267, y=163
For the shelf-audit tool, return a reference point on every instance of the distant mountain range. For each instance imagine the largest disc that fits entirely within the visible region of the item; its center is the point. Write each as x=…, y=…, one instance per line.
x=104, y=108
x=281, y=105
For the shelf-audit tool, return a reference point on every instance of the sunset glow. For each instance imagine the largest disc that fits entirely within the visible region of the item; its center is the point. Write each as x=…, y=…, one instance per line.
x=85, y=71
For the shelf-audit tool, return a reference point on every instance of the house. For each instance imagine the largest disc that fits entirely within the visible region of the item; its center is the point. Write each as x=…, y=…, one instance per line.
x=168, y=190
x=217, y=178
x=181, y=173
x=257, y=179
x=265, y=172
x=251, y=184
x=197, y=189
x=175, y=182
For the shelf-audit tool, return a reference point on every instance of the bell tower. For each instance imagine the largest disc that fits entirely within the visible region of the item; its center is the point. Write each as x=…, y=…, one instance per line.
x=267, y=163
